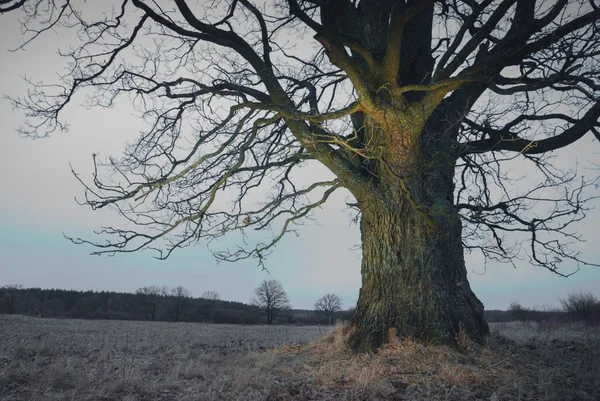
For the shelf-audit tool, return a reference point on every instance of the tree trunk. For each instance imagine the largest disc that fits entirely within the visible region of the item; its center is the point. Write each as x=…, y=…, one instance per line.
x=414, y=278
x=269, y=315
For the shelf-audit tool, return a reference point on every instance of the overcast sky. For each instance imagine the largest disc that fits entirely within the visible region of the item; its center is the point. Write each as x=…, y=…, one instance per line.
x=37, y=205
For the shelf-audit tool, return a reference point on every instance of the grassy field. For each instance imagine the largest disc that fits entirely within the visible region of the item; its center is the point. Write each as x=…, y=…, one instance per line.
x=44, y=359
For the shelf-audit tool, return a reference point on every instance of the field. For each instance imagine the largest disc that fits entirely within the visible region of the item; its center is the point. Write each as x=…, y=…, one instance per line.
x=45, y=359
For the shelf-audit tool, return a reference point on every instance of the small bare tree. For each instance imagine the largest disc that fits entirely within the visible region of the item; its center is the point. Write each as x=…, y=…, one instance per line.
x=11, y=295
x=176, y=301
x=212, y=297
x=150, y=299
x=328, y=304
x=271, y=298
x=517, y=312
x=580, y=305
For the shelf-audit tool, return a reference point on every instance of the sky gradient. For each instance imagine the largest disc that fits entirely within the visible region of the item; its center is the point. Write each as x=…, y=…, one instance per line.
x=37, y=206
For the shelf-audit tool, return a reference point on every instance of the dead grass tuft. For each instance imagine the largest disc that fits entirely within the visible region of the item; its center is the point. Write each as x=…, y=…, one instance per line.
x=503, y=369
x=335, y=342
x=401, y=369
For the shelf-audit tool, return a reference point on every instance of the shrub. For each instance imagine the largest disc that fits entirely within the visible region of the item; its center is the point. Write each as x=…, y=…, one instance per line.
x=581, y=305
x=517, y=312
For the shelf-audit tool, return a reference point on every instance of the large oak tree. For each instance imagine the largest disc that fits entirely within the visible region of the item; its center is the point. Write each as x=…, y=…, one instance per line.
x=416, y=107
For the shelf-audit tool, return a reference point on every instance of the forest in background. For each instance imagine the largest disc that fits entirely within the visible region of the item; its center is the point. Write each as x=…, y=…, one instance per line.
x=176, y=305
x=173, y=305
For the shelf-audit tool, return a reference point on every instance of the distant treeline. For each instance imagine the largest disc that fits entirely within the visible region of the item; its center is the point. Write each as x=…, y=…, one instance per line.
x=497, y=316
x=176, y=305
x=166, y=305
x=577, y=306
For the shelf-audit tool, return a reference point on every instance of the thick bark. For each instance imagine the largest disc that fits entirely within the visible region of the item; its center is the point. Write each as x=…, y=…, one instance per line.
x=414, y=278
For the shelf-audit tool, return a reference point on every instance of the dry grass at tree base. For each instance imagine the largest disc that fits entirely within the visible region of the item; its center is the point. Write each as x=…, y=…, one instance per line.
x=44, y=359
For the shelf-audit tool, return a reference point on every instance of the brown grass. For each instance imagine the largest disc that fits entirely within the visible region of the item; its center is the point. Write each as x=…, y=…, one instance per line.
x=107, y=360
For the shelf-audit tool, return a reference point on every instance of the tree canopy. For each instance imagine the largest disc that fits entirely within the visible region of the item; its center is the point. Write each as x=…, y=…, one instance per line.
x=271, y=298
x=416, y=107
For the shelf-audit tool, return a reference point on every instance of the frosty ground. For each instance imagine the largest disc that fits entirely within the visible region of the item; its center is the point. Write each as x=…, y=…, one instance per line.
x=59, y=359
